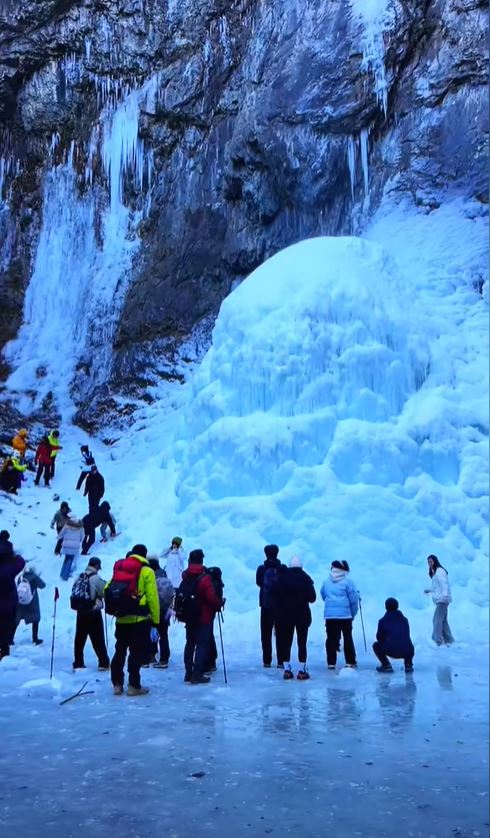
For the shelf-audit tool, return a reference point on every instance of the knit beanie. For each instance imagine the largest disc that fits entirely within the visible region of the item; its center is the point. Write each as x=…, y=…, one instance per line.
x=140, y=550
x=271, y=551
x=4, y=535
x=196, y=557
x=295, y=561
x=177, y=540
x=391, y=604
x=338, y=565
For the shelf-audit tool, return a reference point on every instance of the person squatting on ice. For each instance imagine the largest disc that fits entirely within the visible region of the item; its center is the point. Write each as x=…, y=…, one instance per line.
x=29, y=610
x=441, y=597
x=71, y=539
x=393, y=638
x=266, y=578
x=341, y=600
x=199, y=629
x=11, y=475
x=89, y=618
x=10, y=566
x=59, y=519
x=174, y=561
x=133, y=581
x=94, y=519
x=165, y=596
x=86, y=462
x=294, y=592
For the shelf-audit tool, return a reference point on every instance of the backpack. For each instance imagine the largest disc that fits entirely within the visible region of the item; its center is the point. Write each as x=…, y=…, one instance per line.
x=81, y=599
x=25, y=594
x=186, y=605
x=268, y=591
x=217, y=580
x=121, y=594
x=165, y=591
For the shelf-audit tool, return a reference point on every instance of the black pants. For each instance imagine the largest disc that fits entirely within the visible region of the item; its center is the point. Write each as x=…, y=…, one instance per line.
x=196, y=651
x=88, y=540
x=83, y=476
x=93, y=503
x=285, y=632
x=7, y=628
x=35, y=630
x=267, y=622
x=212, y=652
x=90, y=625
x=381, y=654
x=162, y=643
x=51, y=467
x=132, y=637
x=336, y=628
x=43, y=468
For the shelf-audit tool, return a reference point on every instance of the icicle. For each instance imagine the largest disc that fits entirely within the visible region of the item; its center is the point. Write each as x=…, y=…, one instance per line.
x=364, y=142
x=351, y=160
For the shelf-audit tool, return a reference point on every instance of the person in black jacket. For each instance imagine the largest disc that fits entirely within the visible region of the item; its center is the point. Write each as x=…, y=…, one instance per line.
x=266, y=578
x=294, y=591
x=94, y=519
x=11, y=565
x=393, y=638
x=94, y=488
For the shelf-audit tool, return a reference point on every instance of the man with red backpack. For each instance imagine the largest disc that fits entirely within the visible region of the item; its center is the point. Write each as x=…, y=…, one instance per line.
x=132, y=597
x=199, y=626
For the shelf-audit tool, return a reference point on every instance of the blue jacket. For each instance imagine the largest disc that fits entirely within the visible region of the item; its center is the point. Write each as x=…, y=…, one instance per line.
x=340, y=596
x=394, y=635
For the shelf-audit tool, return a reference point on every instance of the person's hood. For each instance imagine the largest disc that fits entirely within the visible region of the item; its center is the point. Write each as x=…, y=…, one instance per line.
x=194, y=570
x=142, y=559
x=336, y=575
x=90, y=571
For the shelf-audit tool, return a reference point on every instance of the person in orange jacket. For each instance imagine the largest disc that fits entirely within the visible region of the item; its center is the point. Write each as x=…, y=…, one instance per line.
x=19, y=443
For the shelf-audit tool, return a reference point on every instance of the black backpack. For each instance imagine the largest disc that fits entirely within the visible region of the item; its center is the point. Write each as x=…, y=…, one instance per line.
x=217, y=580
x=186, y=604
x=80, y=599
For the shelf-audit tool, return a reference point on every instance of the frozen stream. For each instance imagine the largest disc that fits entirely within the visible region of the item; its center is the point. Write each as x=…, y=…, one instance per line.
x=354, y=754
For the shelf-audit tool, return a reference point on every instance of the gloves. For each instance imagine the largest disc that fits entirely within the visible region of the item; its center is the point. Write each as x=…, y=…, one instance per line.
x=154, y=635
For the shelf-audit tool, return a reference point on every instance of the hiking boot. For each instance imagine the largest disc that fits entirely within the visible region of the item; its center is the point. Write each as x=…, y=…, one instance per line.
x=267, y=665
x=38, y=641
x=210, y=669
x=187, y=679
x=160, y=665
x=280, y=666
x=79, y=666
x=331, y=666
x=200, y=679
x=384, y=668
x=288, y=675
x=138, y=690
x=118, y=690
x=409, y=669
x=303, y=675
x=103, y=668
x=351, y=666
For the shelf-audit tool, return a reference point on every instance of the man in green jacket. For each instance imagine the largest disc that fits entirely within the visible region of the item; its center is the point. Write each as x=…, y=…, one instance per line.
x=54, y=441
x=132, y=632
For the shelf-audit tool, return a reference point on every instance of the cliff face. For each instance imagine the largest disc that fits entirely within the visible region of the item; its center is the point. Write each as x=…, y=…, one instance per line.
x=271, y=121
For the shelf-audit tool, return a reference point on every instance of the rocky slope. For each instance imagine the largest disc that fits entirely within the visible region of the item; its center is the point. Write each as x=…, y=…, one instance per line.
x=260, y=105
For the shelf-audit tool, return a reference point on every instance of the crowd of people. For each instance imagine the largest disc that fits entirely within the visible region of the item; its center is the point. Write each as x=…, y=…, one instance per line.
x=17, y=462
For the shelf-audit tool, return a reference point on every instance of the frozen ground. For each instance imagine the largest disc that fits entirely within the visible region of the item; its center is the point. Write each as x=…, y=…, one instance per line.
x=349, y=754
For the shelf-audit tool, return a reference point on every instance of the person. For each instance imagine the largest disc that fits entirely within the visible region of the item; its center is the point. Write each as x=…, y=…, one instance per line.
x=11, y=565
x=441, y=597
x=94, y=519
x=105, y=526
x=59, y=519
x=87, y=460
x=198, y=634
x=42, y=460
x=165, y=596
x=175, y=562
x=94, y=488
x=341, y=600
x=54, y=443
x=31, y=613
x=90, y=623
x=294, y=592
x=132, y=630
x=265, y=578
x=11, y=475
x=19, y=443
x=393, y=638
x=71, y=538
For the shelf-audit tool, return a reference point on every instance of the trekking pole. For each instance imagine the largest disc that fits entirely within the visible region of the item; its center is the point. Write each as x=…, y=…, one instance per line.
x=220, y=620
x=56, y=598
x=362, y=624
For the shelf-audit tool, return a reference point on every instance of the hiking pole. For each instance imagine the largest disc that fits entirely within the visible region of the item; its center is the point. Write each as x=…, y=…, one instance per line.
x=56, y=598
x=362, y=624
x=220, y=620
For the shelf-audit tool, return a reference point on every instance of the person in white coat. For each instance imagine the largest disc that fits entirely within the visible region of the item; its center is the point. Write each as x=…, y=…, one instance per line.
x=441, y=597
x=71, y=537
x=175, y=561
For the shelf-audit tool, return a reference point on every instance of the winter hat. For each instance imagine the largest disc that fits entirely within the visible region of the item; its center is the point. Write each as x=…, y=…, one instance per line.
x=391, y=604
x=271, y=551
x=338, y=565
x=345, y=566
x=153, y=562
x=4, y=535
x=95, y=562
x=196, y=557
x=64, y=506
x=295, y=561
x=177, y=540
x=140, y=550
x=23, y=432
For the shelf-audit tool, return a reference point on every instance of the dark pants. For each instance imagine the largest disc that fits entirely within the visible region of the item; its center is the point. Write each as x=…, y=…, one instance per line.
x=336, y=628
x=7, y=628
x=93, y=503
x=196, y=651
x=381, y=653
x=83, y=476
x=43, y=468
x=35, y=631
x=285, y=632
x=88, y=540
x=212, y=652
x=267, y=622
x=162, y=643
x=90, y=625
x=132, y=637
x=59, y=545
x=51, y=467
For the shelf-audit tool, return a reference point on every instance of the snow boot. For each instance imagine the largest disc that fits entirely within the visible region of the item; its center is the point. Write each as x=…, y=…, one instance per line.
x=288, y=675
x=138, y=690
x=331, y=666
x=104, y=668
x=38, y=641
x=200, y=679
x=160, y=665
x=280, y=666
x=118, y=689
x=384, y=668
x=267, y=665
x=303, y=675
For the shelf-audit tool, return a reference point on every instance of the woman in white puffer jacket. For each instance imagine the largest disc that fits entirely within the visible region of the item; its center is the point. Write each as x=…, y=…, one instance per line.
x=441, y=597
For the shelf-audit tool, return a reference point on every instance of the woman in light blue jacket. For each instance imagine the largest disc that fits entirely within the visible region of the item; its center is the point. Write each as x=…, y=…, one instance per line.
x=341, y=605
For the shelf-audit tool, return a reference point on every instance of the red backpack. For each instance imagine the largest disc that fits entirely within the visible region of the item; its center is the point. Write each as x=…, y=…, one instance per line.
x=121, y=594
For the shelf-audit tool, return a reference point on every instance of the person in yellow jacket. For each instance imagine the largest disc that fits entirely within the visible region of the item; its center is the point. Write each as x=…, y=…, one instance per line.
x=132, y=632
x=19, y=443
x=11, y=475
x=54, y=441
